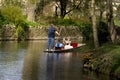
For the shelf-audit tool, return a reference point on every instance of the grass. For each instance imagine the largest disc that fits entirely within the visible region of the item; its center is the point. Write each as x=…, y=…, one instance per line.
x=105, y=59
x=108, y=58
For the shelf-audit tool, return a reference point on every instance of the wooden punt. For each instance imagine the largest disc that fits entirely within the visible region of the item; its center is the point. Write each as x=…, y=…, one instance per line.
x=64, y=50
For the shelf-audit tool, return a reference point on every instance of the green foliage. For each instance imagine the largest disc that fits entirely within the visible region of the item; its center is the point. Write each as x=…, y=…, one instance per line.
x=103, y=32
x=65, y=22
x=19, y=3
x=12, y=14
x=116, y=59
x=86, y=29
x=34, y=24
x=84, y=25
x=117, y=22
x=2, y=20
x=108, y=61
x=20, y=32
x=106, y=48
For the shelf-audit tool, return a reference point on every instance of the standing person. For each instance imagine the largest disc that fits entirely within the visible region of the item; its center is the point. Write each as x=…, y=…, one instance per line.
x=51, y=36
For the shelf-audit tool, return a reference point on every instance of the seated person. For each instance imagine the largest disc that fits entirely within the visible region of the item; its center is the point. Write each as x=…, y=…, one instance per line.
x=59, y=45
x=68, y=46
x=67, y=40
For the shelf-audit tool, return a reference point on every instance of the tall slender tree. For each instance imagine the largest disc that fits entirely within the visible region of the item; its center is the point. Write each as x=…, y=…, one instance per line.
x=101, y=5
x=110, y=20
x=95, y=35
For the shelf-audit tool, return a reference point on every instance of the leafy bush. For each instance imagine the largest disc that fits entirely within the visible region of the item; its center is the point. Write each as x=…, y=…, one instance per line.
x=20, y=33
x=86, y=29
x=22, y=30
x=102, y=28
x=107, y=59
x=12, y=14
x=2, y=19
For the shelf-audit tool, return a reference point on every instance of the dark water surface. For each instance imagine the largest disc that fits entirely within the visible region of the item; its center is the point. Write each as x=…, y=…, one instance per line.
x=27, y=61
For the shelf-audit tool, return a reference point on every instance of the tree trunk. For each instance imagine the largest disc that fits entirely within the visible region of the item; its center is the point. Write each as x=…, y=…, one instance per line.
x=100, y=18
x=31, y=11
x=95, y=36
x=56, y=9
x=63, y=13
x=110, y=21
x=63, y=4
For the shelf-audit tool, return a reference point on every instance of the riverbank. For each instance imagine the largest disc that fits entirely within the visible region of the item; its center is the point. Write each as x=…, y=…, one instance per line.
x=9, y=32
x=104, y=60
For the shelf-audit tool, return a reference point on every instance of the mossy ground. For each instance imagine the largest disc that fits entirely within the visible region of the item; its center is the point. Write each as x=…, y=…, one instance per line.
x=104, y=60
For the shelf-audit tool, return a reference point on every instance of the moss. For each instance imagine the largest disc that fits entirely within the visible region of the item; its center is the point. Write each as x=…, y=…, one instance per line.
x=106, y=59
x=115, y=62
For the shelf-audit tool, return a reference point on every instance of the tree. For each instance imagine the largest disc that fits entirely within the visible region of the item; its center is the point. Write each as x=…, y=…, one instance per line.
x=63, y=7
x=40, y=8
x=95, y=36
x=110, y=20
x=101, y=5
x=66, y=6
x=30, y=9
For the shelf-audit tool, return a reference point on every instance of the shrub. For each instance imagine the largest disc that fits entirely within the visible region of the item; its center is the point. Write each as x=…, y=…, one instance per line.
x=12, y=14
x=20, y=33
x=22, y=30
x=86, y=29
x=2, y=19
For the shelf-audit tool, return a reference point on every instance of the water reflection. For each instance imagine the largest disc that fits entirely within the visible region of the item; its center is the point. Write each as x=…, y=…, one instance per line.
x=62, y=66
x=31, y=62
x=11, y=61
x=68, y=66
x=27, y=61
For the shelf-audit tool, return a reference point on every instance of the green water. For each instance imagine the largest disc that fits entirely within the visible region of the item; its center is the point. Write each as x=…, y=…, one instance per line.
x=27, y=61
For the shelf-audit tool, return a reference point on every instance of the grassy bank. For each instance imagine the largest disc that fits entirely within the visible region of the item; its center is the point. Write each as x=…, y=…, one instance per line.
x=104, y=60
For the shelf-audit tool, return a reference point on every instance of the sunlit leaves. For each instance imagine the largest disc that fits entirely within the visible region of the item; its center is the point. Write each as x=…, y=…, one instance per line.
x=12, y=14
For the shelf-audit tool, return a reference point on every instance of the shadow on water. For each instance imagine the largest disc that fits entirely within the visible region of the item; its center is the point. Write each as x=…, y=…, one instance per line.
x=27, y=61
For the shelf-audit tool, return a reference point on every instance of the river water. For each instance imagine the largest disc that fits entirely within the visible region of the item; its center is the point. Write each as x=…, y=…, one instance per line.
x=27, y=61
